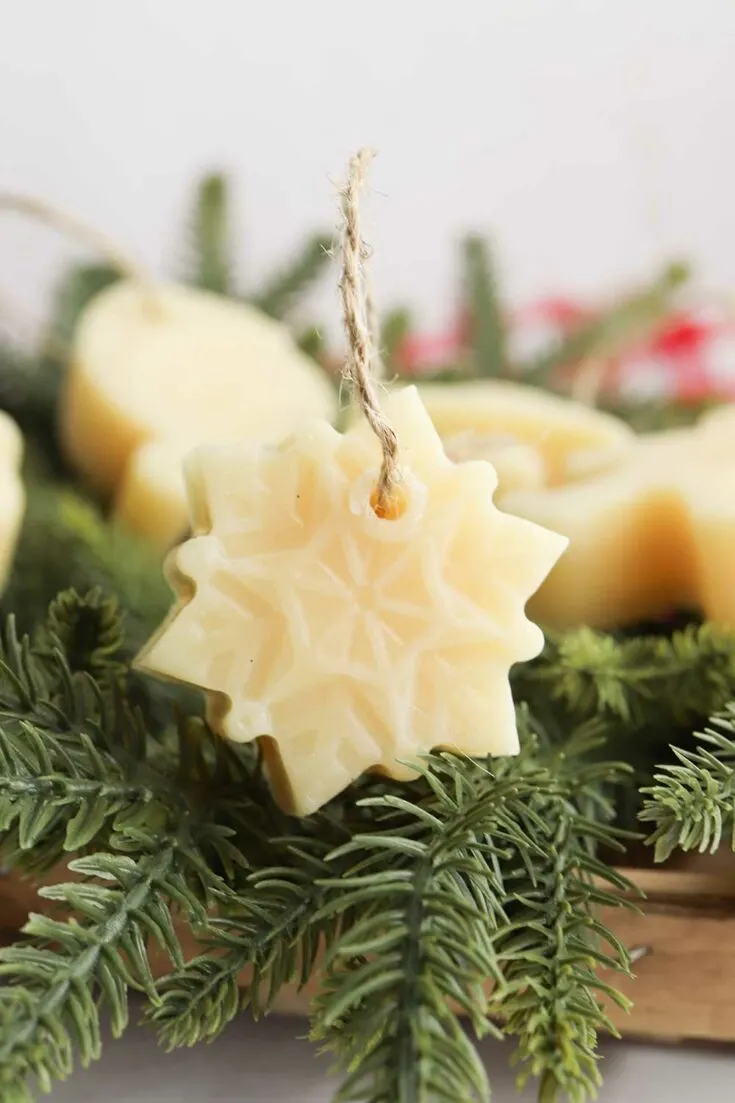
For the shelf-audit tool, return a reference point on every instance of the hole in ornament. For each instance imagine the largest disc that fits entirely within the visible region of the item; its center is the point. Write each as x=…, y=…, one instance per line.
x=392, y=507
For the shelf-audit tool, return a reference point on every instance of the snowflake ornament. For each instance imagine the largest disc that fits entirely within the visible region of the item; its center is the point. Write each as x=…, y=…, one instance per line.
x=347, y=640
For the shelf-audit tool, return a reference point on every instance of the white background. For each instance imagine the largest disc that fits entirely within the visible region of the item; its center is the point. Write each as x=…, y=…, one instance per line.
x=592, y=138
x=270, y=1062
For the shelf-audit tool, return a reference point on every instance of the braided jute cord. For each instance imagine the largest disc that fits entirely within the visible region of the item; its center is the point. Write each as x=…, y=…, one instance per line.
x=362, y=362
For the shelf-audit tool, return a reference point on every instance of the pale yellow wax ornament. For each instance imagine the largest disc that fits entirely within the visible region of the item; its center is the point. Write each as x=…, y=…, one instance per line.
x=172, y=367
x=653, y=534
x=518, y=466
x=350, y=641
x=504, y=422
x=12, y=492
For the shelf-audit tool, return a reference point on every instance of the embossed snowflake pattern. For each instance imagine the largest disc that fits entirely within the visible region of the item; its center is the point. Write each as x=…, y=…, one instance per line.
x=344, y=640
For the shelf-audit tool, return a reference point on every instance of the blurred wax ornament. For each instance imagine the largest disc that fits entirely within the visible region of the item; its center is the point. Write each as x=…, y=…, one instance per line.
x=12, y=492
x=176, y=366
x=650, y=534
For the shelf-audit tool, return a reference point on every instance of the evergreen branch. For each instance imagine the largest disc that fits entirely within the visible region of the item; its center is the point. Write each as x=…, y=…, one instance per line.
x=87, y=630
x=489, y=345
x=77, y=764
x=549, y=953
x=279, y=295
x=52, y=998
x=48, y=812
x=681, y=678
x=419, y=905
x=623, y=325
x=267, y=927
x=211, y=264
x=692, y=804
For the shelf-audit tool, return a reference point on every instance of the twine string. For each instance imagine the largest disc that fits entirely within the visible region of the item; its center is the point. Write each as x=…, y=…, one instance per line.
x=72, y=227
x=362, y=364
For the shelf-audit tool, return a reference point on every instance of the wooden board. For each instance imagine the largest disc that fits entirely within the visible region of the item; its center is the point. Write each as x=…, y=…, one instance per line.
x=684, y=987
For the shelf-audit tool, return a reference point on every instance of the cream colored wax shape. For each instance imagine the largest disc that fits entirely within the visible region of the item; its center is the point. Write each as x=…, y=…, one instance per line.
x=654, y=534
x=12, y=492
x=518, y=466
x=173, y=368
x=348, y=640
x=483, y=417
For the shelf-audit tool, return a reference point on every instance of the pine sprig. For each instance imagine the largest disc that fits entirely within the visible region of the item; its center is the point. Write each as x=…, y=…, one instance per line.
x=210, y=263
x=280, y=293
x=425, y=930
x=267, y=928
x=52, y=997
x=87, y=630
x=78, y=770
x=488, y=337
x=552, y=949
x=692, y=803
x=675, y=679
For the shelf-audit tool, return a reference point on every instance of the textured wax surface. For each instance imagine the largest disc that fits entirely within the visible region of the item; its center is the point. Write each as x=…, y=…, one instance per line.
x=652, y=533
x=517, y=466
x=351, y=640
x=178, y=368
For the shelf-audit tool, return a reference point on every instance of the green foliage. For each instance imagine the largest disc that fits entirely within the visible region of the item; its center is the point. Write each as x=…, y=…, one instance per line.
x=87, y=630
x=630, y=320
x=51, y=1002
x=488, y=339
x=649, y=417
x=416, y=892
x=61, y=782
x=81, y=771
x=692, y=803
x=210, y=266
x=552, y=949
x=658, y=679
x=66, y=542
x=28, y=389
x=419, y=910
x=282, y=291
x=269, y=927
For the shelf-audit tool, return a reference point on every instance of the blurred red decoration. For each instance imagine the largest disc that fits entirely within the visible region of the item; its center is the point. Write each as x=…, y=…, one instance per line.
x=690, y=358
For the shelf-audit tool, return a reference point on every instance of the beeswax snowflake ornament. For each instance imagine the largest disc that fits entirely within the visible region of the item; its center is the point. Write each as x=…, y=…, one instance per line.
x=352, y=600
x=350, y=640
